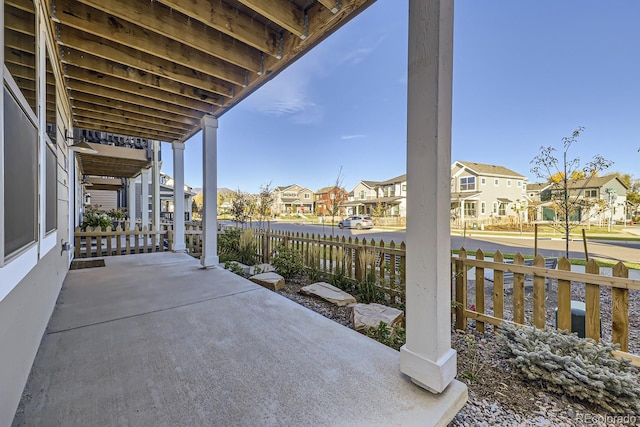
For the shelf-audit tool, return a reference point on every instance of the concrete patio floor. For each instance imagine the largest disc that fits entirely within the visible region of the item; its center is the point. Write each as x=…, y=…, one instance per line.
x=154, y=340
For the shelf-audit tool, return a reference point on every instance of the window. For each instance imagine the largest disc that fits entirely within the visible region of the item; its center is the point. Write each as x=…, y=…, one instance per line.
x=404, y=187
x=495, y=208
x=483, y=181
x=508, y=183
x=483, y=207
x=21, y=174
x=469, y=209
x=590, y=193
x=362, y=195
x=519, y=183
x=502, y=209
x=496, y=182
x=51, y=186
x=332, y=196
x=468, y=183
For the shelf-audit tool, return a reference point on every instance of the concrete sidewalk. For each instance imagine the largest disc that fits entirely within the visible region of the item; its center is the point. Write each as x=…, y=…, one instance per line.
x=153, y=340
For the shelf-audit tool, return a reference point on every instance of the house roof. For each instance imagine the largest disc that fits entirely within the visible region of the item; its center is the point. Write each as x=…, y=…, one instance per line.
x=399, y=178
x=538, y=186
x=595, y=182
x=464, y=195
x=391, y=199
x=324, y=190
x=492, y=170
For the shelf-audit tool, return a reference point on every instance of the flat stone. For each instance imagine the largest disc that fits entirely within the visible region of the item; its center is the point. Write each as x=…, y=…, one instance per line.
x=329, y=293
x=271, y=280
x=370, y=315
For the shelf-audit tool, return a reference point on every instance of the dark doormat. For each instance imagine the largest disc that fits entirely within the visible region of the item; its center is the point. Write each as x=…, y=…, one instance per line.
x=78, y=264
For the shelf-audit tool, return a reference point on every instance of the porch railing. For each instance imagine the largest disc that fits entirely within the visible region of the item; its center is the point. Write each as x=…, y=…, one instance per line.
x=94, y=242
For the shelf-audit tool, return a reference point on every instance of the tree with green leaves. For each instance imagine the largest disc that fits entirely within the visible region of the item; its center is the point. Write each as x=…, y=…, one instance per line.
x=567, y=191
x=241, y=207
x=264, y=203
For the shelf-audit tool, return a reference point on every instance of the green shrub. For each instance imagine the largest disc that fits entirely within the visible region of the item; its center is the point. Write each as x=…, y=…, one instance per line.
x=235, y=268
x=93, y=219
x=229, y=244
x=394, y=337
x=567, y=364
x=288, y=262
x=247, y=251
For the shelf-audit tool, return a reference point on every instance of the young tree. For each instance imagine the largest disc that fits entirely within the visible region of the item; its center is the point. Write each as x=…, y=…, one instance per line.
x=265, y=201
x=566, y=193
x=336, y=199
x=240, y=207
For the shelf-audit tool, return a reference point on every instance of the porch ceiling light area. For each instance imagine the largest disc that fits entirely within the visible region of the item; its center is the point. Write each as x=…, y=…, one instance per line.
x=113, y=161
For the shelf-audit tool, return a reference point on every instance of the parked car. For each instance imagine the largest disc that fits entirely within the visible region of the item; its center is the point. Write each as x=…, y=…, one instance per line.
x=356, y=221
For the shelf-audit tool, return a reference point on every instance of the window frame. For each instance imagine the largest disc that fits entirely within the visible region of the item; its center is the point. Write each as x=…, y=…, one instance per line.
x=496, y=182
x=483, y=208
x=465, y=183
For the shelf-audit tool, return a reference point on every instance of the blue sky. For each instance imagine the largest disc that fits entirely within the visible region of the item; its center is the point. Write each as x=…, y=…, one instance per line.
x=526, y=74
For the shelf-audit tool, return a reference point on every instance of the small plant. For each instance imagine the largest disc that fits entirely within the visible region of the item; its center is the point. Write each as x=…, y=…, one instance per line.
x=394, y=337
x=579, y=367
x=313, y=270
x=229, y=244
x=94, y=219
x=368, y=289
x=235, y=268
x=287, y=262
x=247, y=252
x=475, y=363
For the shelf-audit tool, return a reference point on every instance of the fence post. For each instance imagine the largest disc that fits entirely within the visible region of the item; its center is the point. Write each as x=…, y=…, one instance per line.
x=592, y=301
x=564, y=297
x=461, y=290
x=479, y=291
x=539, y=311
x=518, y=291
x=358, y=261
x=498, y=289
x=620, y=310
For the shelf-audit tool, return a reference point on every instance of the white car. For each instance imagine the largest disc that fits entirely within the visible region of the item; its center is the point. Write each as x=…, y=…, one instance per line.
x=356, y=221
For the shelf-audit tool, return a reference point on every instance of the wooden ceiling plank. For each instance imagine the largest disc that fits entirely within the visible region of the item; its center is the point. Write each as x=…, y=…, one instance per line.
x=94, y=115
x=126, y=107
x=123, y=114
x=72, y=38
x=282, y=12
x=26, y=5
x=331, y=5
x=19, y=41
x=133, y=75
x=229, y=21
x=133, y=131
x=116, y=95
x=163, y=21
x=122, y=32
x=89, y=76
x=19, y=20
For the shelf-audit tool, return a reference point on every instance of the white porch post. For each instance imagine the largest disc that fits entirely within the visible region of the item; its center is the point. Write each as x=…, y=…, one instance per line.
x=210, y=191
x=427, y=356
x=132, y=202
x=144, y=198
x=178, y=197
x=155, y=171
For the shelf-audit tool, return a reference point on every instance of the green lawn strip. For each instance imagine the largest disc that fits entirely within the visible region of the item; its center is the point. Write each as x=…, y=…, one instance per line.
x=573, y=261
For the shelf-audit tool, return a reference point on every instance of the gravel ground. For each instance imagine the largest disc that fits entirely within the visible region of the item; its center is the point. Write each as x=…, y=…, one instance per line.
x=498, y=395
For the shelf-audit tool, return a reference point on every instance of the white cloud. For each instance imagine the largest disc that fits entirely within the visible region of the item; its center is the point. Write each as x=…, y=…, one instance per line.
x=354, y=136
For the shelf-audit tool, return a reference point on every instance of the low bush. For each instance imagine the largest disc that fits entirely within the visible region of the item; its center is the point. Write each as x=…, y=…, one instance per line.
x=567, y=364
x=287, y=262
x=394, y=337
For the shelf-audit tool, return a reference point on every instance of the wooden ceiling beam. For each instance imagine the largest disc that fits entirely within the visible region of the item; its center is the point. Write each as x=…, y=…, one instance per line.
x=127, y=107
x=331, y=5
x=90, y=62
x=123, y=114
x=135, y=131
x=282, y=12
x=117, y=95
x=229, y=21
x=72, y=38
x=127, y=121
x=172, y=31
x=124, y=33
x=26, y=5
x=19, y=41
x=19, y=20
x=90, y=76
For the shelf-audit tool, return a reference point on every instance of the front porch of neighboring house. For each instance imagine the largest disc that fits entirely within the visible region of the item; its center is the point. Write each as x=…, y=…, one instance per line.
x=163, y=339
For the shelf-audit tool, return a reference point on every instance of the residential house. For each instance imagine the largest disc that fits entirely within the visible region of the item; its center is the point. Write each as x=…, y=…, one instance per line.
x=292, y=199
x=383, y=198
x=482, y=192
x=360, y=196
x=166, y=198
x=183, y=79
x=329, y=198
x=597, y=200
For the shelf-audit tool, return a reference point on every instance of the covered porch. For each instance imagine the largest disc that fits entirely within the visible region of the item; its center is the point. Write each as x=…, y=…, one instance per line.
x=153, y=339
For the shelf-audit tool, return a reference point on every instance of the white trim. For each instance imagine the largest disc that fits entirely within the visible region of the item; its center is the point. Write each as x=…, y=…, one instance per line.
x=48, y=243
x=3, y=72
x=16, y=270
x=17, y=93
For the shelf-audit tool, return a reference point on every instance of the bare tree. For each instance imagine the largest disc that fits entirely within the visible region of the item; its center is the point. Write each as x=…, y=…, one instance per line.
x=567, y=189
x=337, y=197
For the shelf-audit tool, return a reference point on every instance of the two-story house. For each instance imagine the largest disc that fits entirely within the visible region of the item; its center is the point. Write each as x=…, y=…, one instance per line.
x=360, y=196
x=292, y=199
x=595, y=200
x=482, y=192
x=328, y=198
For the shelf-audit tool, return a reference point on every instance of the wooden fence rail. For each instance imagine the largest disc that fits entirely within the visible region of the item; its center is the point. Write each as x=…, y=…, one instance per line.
x=592, y=281
x=94, y=242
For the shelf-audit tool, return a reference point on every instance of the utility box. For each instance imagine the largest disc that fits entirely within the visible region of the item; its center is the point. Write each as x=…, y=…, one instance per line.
x=578, y=318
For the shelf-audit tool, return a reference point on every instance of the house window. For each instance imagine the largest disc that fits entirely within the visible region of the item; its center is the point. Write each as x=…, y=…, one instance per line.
x=483, y=181
x=307, y=195
x=51, y=186
x=469, y=209
x=508, y=183
x=495, y=208
x=468, y=183
x=502, y=209
x=21, y=174
x=332, y=196
x=483, y=207
x=404, y=187
x=590, y=193
x=519, y=183
x=363, y=195
x=495, y=181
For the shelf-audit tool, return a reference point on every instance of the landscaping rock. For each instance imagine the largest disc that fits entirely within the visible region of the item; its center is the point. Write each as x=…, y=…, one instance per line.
x=329, y=293
x=370, y=315
x=272, y=281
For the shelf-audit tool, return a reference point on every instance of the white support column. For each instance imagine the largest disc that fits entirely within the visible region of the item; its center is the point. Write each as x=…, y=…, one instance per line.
x=210, y=191
x=144, y=197
x=155, y=172
x=131, y=199
x=427, y=357
x=178, y=197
